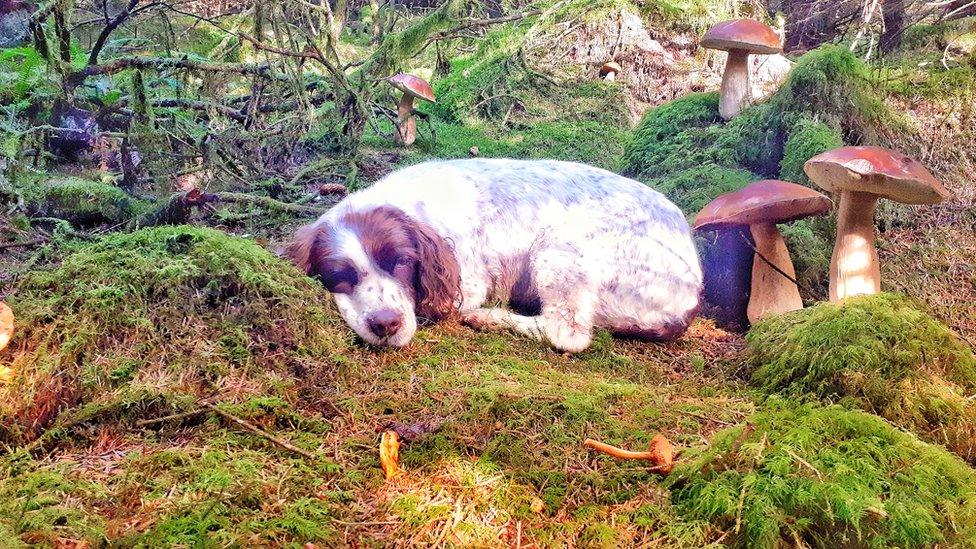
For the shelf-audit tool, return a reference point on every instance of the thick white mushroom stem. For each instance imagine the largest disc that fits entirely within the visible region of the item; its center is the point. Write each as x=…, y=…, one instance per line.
x=406, y=122
x=772, y=293
x=736, y=91
x=610, y=76
x=854, y=267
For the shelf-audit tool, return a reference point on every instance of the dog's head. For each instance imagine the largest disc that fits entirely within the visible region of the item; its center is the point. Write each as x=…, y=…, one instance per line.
x=387, y=271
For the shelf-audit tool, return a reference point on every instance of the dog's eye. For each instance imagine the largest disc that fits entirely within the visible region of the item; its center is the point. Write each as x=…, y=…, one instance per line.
x=392, y=263
x=341, y=281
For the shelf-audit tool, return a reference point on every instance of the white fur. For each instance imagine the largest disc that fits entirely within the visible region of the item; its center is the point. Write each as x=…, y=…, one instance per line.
x=604, y=250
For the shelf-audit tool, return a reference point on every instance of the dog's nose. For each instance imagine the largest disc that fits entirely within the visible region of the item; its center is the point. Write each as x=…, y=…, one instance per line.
x=384, y=323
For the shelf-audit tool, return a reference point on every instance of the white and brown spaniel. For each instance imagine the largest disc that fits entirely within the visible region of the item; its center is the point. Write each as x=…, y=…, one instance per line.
x=548, y=249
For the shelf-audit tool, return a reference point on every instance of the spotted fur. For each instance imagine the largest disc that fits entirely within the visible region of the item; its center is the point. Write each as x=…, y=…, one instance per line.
x=549, y=249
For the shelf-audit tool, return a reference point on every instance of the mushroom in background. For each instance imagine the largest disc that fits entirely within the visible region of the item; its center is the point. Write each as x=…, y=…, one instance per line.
x=760, y=206
x=6, y=325
x=413, y=87
x=739, y=37
x=609, y=71
x=859, y=176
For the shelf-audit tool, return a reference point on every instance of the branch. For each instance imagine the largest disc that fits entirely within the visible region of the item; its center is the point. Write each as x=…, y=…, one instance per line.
x=478, y=23
x=161, y=63
x=108, y=29
x=260, y=432
x=268, y=203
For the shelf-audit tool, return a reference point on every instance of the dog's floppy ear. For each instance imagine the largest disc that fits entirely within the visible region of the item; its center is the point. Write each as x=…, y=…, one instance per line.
x=305, y=247
x=438, y=278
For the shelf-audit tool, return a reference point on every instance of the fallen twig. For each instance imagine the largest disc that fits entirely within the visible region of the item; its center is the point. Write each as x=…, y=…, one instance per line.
x=260, y=432
x=269, y=203
x=171, y=417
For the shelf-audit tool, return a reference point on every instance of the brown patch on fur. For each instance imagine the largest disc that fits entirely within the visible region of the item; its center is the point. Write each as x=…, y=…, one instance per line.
x=305, y=249
x=435, y=279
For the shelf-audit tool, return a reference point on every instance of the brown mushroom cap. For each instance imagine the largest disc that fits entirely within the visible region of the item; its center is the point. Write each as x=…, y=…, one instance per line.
x=769, y=200
x=610, y=66
x=875, y=170
x=742, y=34
x=413, y=86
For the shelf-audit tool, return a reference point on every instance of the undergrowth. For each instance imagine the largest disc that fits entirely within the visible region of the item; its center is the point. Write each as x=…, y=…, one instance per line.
x=827, y=477
x=79, y=201
x=879, y=353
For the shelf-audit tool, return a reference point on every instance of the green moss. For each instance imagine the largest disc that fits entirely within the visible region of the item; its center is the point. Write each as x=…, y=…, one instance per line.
x=879, y=353
x=807, y=138
x=80, y=201
x=39, y=503
x=827, y=477
x=173, y=301
x=693, y=188
x=829, y=85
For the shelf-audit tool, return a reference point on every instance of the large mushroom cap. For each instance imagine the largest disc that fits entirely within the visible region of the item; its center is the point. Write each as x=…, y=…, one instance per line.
x=769, y=200
x=742, y=34
x=6, y=325
x=413, y=86
x=875, y=170
x=610, y=66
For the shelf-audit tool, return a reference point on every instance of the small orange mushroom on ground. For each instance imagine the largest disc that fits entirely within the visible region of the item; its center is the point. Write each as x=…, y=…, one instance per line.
x=6, y=325
x=413, y=87
x=390, y=454
x=659, y=453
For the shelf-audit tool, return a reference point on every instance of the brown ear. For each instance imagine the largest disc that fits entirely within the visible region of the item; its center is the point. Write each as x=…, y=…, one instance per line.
x=438, y=281
x=303, y=249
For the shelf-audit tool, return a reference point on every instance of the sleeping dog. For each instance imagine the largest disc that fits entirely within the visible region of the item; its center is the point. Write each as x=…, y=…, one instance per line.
x=548, y=249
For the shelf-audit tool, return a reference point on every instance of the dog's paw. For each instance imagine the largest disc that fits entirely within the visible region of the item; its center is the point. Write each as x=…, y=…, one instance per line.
x=484, y=319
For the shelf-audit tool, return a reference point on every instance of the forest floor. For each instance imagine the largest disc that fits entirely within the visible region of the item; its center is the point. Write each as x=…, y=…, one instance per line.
x=157, y=340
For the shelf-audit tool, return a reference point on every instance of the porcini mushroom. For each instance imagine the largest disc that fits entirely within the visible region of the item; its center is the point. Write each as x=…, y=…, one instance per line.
x=659, y=452
x=760, y=206
x=609, y=71
x=739, y=37
x=413, y=87
x=859, y=176
x=6, y=325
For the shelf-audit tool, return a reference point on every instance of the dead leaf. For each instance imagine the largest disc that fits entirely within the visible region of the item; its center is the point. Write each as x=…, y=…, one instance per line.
x=410, y=432
x=390, y=454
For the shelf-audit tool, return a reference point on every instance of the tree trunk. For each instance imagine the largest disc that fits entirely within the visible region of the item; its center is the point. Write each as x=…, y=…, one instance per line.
x=893, y=12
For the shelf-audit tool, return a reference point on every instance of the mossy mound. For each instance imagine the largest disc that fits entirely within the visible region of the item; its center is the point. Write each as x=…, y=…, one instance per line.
x=827, y=477
x=879, y=353
x=168, y=313
x=827, y=95
x=80, y=201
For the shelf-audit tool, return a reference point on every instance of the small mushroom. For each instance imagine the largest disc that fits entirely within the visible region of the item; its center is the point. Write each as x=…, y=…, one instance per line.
x=659, y=452
x=739, y=37
x=760, y=206
x=609, y=71
x=859, y=176
x=390, y=454
x=6, y=325
x=413, y=87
